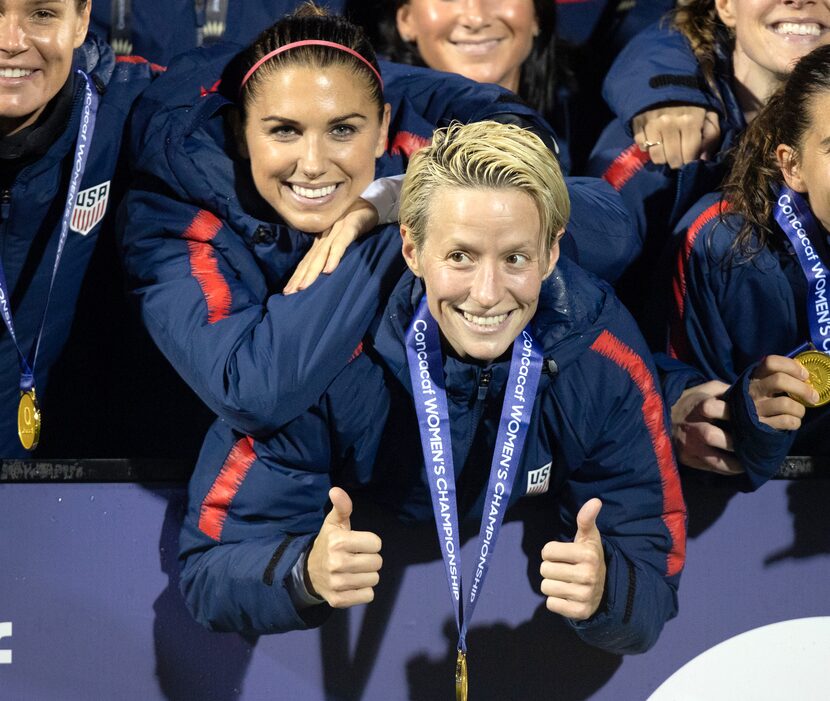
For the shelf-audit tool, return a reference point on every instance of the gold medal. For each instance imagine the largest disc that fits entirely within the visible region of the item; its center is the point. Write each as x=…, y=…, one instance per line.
x=28, y=420
x=818, y=365
x=461, y=676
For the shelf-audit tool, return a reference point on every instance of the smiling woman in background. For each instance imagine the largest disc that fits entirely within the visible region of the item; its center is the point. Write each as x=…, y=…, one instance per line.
x=63, y=103
x=508, y=42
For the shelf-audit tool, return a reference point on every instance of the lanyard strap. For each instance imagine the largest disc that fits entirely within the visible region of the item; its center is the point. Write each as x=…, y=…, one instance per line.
x=426, y=370
x=83, y=144
x=793, y=215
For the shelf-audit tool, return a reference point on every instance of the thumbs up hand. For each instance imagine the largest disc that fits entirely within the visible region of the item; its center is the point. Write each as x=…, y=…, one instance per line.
x=343, y=564
x=573, y=574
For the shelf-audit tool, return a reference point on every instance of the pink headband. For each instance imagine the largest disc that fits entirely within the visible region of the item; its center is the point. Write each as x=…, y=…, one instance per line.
x=308, y=42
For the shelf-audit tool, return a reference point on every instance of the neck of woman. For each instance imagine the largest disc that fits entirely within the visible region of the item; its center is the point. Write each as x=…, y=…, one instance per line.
x=753, y=83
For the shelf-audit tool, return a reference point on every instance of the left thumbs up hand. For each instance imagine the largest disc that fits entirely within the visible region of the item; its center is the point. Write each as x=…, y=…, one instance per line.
x=573, y=574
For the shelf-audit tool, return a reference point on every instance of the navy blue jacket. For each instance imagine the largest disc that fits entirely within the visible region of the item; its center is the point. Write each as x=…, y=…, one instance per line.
x=206, y=258
x=30, y=222
x=587, y=22
x=729, y=311
x=657, y=68
x=598, y=428
x=162, y=29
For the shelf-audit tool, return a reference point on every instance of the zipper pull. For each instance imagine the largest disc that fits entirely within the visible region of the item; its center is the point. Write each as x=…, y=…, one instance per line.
x=5, y=204
x=484, y=383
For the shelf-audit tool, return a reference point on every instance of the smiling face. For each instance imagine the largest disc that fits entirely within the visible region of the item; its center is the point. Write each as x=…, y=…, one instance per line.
x=37, y=38
x=771, y=35
x=312, y=135
x=485, y=40
x=482, y=262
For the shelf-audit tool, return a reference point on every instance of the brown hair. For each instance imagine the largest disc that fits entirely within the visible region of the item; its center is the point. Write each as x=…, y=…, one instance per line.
x=699, y=22
x=755, y=174
x=310, y=22
x=543, y=71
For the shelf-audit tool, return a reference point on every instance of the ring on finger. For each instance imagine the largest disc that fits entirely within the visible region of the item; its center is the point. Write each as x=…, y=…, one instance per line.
x=649, y=144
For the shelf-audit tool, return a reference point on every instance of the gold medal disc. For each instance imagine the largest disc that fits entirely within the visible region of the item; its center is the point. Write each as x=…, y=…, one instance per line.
x=818, y=365
x=461, y=676
x=28, y=420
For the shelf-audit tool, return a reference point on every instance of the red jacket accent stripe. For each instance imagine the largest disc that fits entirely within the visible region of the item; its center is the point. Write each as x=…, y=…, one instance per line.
x=215, y=506
x=155, y=67
x=625, y=166
x=205, y=267
x=677, y=336
x=407, y=143
x=674, y=508
x=357, y=351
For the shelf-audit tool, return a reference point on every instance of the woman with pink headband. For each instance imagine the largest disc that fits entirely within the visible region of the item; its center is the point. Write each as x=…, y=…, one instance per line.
x=234, y=187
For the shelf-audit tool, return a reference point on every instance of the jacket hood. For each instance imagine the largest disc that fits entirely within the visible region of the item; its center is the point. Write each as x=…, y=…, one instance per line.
x=574, y=308
x=96, y=58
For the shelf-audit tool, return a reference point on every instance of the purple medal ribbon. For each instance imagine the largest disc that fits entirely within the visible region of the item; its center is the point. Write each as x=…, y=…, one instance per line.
x=793, y=215
x=426, y=371
x=82, y=146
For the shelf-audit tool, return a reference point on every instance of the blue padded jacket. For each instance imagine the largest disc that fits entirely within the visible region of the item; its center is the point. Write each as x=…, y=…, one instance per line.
x=598, y=428
x=30, y=223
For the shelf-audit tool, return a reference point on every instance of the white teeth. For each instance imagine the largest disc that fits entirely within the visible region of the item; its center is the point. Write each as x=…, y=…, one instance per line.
x=484, y=320
x=313, y=193
x=14, y=72
x=798, y=29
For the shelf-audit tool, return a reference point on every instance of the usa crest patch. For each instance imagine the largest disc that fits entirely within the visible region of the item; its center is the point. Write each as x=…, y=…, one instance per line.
x=90, y=208
x=538, y=481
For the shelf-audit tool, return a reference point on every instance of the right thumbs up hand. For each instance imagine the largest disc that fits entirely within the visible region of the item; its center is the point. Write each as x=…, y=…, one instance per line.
x=343, y=564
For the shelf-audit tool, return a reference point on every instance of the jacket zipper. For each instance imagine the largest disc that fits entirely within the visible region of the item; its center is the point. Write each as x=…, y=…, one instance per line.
x=483, y=387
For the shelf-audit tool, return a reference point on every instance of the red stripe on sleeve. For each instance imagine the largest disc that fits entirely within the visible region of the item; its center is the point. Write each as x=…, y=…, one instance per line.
x=674, y=508
x=134, y=58
x=407, y=143
x=215, y=506
x=204, y=266
x=678, y=343
x=625, y=166
x=357, y=351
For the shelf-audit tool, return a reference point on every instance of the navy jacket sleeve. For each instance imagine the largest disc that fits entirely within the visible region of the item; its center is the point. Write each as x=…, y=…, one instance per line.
x=440, y=98
x=249, y=518
x=630, y=466
x=729, y=312
x=602, y=236
x=254, y=507
x=657, y=67
x=257, y=358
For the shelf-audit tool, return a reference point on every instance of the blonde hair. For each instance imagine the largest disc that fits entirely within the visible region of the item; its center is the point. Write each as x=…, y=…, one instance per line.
x=485, y=155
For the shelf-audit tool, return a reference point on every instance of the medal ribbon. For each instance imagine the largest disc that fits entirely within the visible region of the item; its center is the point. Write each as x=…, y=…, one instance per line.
x=793, y=215
x=426, y=371
x=83, y=143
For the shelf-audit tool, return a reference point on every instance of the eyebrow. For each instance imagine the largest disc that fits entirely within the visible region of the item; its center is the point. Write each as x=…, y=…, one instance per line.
x=333, y=120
